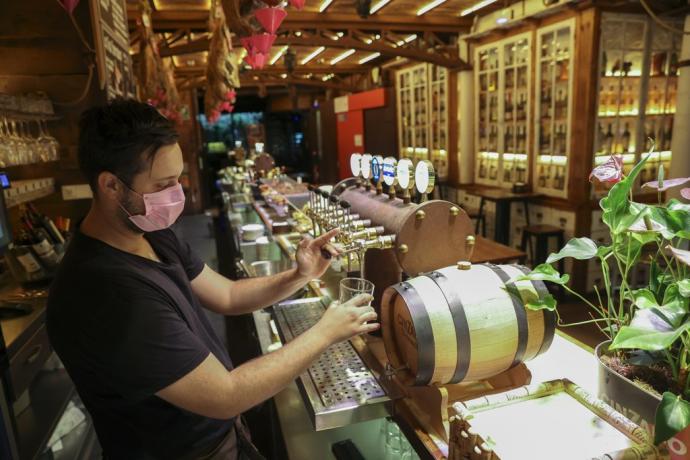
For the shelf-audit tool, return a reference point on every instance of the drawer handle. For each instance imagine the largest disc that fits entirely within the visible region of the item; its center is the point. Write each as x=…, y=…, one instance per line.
x=35, y=353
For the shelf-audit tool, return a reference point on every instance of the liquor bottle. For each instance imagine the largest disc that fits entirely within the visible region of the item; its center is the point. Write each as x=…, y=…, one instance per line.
x=650, y=135
x=509, y=106
x=42, y=247
x=600, y=138
x=522, y=107
x=625, y=140
x=542, y=177
x=24, y=255
x=508, y=139
x=654, y=100
x=482, y=168
x=603, y=64
x=658, y=63
x=673, y=64
x=522, y=137
x=41, y=220
x=612, y=102
x=493, y=171
x=668, y=135
x=608, y=144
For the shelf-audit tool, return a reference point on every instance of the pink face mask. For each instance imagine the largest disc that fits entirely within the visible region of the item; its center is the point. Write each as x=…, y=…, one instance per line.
x=162, y=209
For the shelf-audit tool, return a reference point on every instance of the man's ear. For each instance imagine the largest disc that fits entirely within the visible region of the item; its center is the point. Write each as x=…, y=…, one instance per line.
x=109, y=185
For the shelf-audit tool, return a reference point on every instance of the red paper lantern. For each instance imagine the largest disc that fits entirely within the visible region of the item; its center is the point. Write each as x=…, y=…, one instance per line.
x=246, y=43
x=261, y=43
x=270, y=18
x=299, y=4
x=69, y=5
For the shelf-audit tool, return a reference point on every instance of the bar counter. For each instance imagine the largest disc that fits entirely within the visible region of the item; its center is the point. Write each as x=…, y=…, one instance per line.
x=567, y=358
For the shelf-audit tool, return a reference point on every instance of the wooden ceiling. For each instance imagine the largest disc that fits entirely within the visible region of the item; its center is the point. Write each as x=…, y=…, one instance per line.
x=393, y=31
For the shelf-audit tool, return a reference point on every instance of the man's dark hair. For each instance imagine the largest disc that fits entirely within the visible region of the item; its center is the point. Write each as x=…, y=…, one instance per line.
x=121, y=137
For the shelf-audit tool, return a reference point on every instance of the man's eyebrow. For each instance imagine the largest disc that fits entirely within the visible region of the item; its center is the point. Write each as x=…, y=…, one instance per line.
x=166, y=178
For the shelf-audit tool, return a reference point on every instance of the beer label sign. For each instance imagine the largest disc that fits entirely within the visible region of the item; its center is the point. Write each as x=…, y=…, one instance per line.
x=389, y=171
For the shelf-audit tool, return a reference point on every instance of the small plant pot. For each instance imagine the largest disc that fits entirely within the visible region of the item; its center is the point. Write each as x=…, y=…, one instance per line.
x=636, y=403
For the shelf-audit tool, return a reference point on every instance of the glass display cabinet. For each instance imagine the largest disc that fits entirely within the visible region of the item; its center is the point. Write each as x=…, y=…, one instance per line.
x=503, y=82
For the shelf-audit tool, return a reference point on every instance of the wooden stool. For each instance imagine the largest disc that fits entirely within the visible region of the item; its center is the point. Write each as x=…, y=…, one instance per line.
x=475, y=214
x=542, y=233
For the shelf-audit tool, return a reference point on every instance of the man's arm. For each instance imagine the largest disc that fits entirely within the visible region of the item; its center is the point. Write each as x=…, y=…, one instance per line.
x=227, y=297
x=210, y=390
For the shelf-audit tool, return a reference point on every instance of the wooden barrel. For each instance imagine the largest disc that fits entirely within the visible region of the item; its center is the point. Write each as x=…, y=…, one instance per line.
x=453, y=325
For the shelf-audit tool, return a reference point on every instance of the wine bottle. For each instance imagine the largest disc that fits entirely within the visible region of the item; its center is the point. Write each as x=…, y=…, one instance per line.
x=609, y=141
x=542, y=177
x=668, y=135
x=603, y=64
x=673, y=64
x=600, y=138
x=44, y=249
x=625, y=140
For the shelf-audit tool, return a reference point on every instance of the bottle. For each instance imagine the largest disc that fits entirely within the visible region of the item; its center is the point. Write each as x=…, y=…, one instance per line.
x=600, y=138
x=509, y=106
x=649, y=136
x=612, y=106
x=603, y=64
x=608, y=144
x=673, y=64
x=44, y=249
x=625, y=140
x=46, y=222
x=668, y=135
x=542, y=176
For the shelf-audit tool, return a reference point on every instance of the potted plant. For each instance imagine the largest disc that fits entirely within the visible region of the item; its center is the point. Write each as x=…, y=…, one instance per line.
x=645, y=366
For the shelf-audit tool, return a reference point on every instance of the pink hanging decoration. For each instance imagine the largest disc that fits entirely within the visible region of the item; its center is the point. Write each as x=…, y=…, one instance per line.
x=249, y=59
x=299, y=4
x=261, y=43
x=69, y=5
x=260, y=61
x=270, y=18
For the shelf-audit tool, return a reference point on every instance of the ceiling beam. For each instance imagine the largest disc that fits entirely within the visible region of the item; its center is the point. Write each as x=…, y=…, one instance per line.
x=306, y=20
x=279, y=70
x=250, y=82
x=409, y=52
x=197, y=21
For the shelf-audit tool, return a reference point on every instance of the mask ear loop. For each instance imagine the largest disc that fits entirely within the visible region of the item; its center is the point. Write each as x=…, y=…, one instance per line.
x=131, y=190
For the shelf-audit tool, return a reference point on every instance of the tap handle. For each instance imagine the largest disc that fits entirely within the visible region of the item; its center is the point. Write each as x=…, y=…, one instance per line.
x=334, y=199
x=345, y=204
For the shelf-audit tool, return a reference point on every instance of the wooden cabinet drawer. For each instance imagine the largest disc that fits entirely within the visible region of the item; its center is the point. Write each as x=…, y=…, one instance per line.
x=28, y=361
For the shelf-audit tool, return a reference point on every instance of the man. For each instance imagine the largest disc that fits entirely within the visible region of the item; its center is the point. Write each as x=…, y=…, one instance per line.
x=125, y=309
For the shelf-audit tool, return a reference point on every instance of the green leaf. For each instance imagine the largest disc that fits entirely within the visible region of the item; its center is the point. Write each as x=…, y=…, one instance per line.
x=603, y=251
x=578, y=248
x=544, y=272
x=616, y=204
x=628, y=249
x=646, y=339
x=635, y=219
x=672, y=417
x=644, y=298
x=547, y=303
x=684, y=287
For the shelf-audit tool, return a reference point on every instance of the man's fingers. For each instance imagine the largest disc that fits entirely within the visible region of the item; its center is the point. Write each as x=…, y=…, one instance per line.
x=325, y=238
x=331, y=249
x=368, y=327
x=371, y=316
x=360, y=300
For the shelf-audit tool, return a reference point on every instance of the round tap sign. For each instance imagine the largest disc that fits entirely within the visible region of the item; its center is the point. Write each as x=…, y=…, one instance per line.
x=366, y=166
x=424, y=176
x=405, y=174
x=389, y=171
x=356, y=164
x=377, y=169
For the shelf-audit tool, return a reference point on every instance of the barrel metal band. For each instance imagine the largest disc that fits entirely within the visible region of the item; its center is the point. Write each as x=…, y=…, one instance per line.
x=462, y=328
x=549, y=316
x=422, y=326
x=520, y=315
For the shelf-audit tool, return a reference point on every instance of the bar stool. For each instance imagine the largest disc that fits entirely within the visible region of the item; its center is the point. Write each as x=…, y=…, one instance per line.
x=542, y=233
x=476, y=215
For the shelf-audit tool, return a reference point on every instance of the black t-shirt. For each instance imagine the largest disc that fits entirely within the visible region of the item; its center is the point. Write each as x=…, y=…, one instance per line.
x=126, y=327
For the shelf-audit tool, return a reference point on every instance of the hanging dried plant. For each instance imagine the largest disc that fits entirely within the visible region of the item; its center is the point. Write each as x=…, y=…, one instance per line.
x=222, y=75
x=156, y=77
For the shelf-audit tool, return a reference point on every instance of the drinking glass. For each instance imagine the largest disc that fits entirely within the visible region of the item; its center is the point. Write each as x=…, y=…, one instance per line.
x=352, y=287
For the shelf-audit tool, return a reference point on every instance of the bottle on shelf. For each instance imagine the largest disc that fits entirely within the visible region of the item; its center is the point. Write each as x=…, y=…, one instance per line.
x=603, y=64
x=608, y=144
x=611, y=105
x=650, y=135
x=542, y=176
x=508, y=106
x=668, y=135
x=600, y=139
x=625, y=139
x=673, y=64
x=41, y=246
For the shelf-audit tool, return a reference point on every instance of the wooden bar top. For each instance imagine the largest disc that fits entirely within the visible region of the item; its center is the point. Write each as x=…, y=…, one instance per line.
x=497, y=193
x=489, y=251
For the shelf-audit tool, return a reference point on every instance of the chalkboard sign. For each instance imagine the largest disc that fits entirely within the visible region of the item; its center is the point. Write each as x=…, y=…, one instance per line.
x=111, y=37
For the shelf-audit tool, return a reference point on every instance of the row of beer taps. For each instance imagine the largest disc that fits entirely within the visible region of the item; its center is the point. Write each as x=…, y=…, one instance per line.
x=356, y=235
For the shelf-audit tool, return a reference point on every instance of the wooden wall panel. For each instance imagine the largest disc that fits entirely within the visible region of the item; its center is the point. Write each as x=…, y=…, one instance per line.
x=380, y=128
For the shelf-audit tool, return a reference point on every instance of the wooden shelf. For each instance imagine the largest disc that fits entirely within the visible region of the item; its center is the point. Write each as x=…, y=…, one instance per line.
x=49, y=392
x=24, y=191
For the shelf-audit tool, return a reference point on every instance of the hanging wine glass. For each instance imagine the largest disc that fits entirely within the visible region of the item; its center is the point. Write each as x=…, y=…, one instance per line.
x=4, y=145
x=54, y=154
x=46, y=146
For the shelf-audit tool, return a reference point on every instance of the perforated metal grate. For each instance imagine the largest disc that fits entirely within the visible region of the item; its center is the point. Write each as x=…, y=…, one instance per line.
x=339, y=376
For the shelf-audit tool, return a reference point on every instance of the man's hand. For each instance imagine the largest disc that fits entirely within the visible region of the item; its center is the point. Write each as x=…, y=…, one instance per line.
x=341, y=322
x=310, y=261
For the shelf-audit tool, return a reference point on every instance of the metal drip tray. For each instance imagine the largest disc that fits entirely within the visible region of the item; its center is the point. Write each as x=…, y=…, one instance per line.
x=338, y=389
